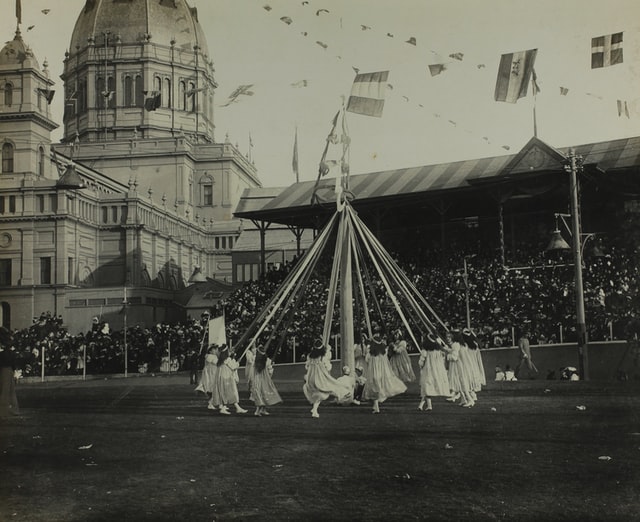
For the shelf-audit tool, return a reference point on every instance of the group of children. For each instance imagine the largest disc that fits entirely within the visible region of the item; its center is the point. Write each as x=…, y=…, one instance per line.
x=451, y=369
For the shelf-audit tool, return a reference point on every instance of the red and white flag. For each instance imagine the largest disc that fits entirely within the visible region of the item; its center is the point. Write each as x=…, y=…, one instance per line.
x=514, y=75
x=367, y=94
x=606, y=50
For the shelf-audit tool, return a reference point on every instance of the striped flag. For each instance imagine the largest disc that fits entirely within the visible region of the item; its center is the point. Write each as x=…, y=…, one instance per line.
x=606, y=50
x=367, y=93
x=514, y=75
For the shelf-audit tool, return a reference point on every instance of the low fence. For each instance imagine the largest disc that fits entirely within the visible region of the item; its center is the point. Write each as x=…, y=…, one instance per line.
x=607, y=361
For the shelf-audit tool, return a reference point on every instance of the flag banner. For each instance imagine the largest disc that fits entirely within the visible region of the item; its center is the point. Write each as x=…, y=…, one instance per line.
x=217, y=333
x=436, y=68
x=623, y=108
x=564, y=91
x=514, y=74
x=367, y=94
x=606, y=50
x=153, y=101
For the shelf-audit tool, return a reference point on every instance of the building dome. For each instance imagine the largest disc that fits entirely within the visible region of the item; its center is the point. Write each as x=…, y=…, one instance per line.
x=138, y=69
x=137, y=21
x=16, y=52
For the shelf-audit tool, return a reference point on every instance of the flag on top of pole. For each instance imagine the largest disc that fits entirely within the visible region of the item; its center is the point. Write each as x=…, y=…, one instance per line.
x=19, y=11
x=514, y=75
x=606, y=50
x=217, y=332
x=367, y=93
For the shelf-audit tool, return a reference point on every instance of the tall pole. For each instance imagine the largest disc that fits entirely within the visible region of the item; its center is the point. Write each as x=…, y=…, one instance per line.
x=126, y=355
x=576, y=232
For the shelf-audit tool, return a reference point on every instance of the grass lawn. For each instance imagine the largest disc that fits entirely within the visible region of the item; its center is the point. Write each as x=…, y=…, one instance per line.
x=147, y=449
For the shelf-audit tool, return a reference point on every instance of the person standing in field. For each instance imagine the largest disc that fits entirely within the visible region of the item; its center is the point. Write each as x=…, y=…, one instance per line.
x=319, y=385
x=263, y=391
x=525, y=357
x=381, y=383
x=433, y=373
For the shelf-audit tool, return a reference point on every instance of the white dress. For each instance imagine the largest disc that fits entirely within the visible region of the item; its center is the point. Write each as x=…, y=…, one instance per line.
x=263, y=391
x=433, y=374
x=209, y=374
x=319, y=385
x=381, y=383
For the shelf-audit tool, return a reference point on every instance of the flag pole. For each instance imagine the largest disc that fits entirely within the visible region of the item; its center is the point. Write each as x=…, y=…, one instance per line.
x=534, y=88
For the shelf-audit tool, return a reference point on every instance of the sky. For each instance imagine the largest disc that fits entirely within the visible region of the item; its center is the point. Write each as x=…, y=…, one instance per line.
x=302, y=69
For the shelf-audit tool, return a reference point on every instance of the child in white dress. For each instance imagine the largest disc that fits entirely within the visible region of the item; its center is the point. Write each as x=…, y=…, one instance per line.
x=226, y=390
x=399, y=359
x=263, y=391
x=319, y=385
x=381, y=383
x=209, y=374
x=433, y=373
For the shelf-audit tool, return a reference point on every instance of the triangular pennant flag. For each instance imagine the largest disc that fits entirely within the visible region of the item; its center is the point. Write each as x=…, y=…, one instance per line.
x=564, y=91
x=367, y=93
x=436, y=68
x=514, y=73
x=623, y=108
x=456, y=56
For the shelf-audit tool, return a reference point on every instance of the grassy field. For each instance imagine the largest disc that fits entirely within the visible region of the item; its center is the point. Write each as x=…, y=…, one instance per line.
x=147, y=449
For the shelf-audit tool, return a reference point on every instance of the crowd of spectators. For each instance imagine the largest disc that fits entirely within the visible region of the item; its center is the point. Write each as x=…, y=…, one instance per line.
x=537, y=295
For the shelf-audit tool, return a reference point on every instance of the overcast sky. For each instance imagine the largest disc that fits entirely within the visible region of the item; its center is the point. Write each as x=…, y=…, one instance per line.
x=426, y=119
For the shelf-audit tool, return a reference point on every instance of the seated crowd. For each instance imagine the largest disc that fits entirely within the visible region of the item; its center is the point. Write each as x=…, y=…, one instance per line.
x=538, y=295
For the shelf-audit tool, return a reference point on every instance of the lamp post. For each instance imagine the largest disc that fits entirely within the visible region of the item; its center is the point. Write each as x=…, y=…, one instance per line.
x=575, y=163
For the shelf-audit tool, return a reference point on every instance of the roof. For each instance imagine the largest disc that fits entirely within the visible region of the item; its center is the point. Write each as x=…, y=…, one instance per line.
x=275, y=239
x=435, y=179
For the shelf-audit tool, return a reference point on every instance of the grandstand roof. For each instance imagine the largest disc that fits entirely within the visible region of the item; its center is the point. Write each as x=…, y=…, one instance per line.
x=293, y=204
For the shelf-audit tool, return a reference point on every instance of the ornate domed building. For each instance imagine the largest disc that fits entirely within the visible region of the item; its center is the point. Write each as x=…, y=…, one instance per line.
x=138, y=194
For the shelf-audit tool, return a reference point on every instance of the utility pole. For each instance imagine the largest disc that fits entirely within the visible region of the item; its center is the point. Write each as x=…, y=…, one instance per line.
x=575, y=164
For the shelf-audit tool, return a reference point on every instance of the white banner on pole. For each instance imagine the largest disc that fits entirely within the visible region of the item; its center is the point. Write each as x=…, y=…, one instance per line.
x=217, y=333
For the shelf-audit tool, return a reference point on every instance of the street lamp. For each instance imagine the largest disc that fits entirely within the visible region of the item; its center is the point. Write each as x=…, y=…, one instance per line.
x=574, y=163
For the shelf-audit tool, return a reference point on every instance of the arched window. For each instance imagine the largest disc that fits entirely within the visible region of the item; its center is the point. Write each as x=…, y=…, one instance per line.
x=139, y=91
x=8, y=94
x=111, y=98
x=193, y=98
x=100, y=87
x=183, y=94
x=83, y=93
x=128, y=91
x=7, y=158
x=166, y=93
x=41, y=161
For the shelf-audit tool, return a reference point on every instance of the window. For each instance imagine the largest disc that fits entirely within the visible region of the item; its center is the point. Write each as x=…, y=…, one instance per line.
x=5, y=272
x=183, y=94
x=166, y=93
x=70, y=271
x=207, y=195
x=1, y=204
x=111, y=98
x=128, y=91
x=191, y=100
x=45, y=270
x=12, y=204
x=41, y=161
x=7, y=157
x=8, y=94
x=139, y=92
x=40, y=203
